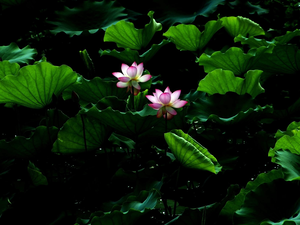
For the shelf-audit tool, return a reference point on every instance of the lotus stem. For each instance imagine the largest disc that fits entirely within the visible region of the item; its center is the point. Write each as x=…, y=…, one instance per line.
x=83, y=129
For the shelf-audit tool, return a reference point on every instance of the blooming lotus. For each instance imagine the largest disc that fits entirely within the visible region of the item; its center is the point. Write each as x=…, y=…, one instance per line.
x=131, y=77
x=165, y=101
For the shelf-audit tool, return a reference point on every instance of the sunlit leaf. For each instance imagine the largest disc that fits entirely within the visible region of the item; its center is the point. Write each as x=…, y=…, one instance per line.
x=8, y=68
x=14, y=54
x=233, y=59
x=190, y=153
x=253, y=42
x=81, y=134
x=222, y=81
x=88, y=16
x=240, y=25
x=125, y=35
x=35, y=85
x=188, y=37
x=290, y=164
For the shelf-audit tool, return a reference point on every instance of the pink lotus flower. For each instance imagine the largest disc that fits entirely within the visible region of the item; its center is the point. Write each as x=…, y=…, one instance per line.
x=131, y=77
x=165, y=101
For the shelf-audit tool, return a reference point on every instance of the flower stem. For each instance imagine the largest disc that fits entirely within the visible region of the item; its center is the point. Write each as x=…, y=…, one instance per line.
x=176, y=187
x=166, y=120
x=83, y=129
x=132, y=95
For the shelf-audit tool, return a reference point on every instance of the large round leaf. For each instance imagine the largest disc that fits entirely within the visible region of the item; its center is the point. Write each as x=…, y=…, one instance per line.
x=14, y=54
x=190, y=153
x=90, y=15
x=223, y=81
x=35, y=85
x=80, y=134
x=130, y=123
x=125, y=35
x=272, y=203
x=22, y=147
x=8, y=68
x=233, y=59
x=240, y=25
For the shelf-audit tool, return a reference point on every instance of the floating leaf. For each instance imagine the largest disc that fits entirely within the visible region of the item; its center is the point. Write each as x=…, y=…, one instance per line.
x=290, y=164
x=98, y=89
x=227, y=109
x=118, y=218
x=36, y=175
x=283, y=59
x=253, y=42
x=35, y=85
x=287, y=37
x=125, y=35
x=128, y=55
x=190, y=153
x=120, y=140
x=258, y=208
x=14, y=54
x=129, y=123
x=233, y=59
x=240, y=25
x=81, y=134
x=188, y=37
x=223, y=81
x=89, y=15
x=185, y=13
x=287, y=142
x=20, y=147
x=8, y=68
x=235, y=204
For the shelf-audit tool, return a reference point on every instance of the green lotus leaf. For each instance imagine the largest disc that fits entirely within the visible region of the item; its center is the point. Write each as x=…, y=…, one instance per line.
x=290, y=130
x=97, y=89
x=223, y=81
x=283, y=59
x=118, y=218
x=235, y=204
x=129, y=123
x=36, y=175
x=14, y=54
x=190, y=153
x=80, y=134
x=287, y=37
x=35, y=85
x=226, y=109
x=145, y=200
x=125, y=35
x=233, y=59
x=188, y=37
x=253, y=42
x=240, y=25
x=88, y=16
x=290, y=164
x=121, y=140
x=140, y=101
x=185, y=13
x=128, y=56
x=21, y=147
x=258, y=209
x=8, y=68
x=287, y=142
